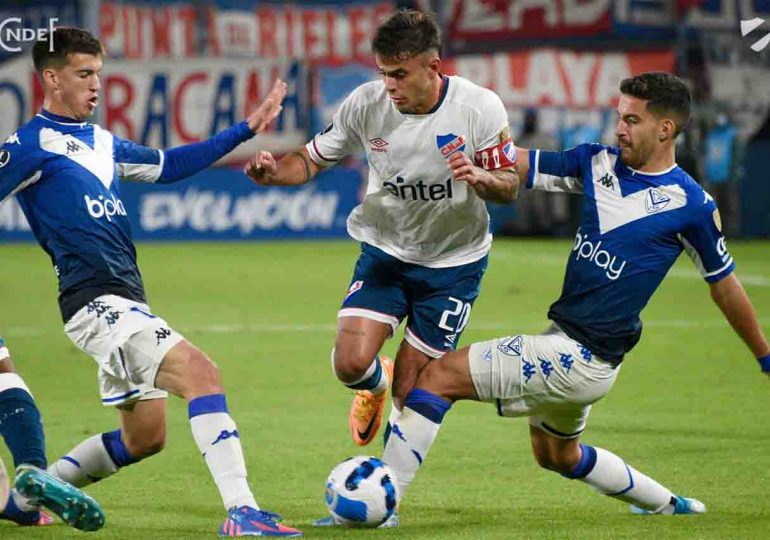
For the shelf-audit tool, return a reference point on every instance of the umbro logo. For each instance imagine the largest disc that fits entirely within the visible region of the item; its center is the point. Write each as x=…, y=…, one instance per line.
x=378, y=145
x=656, y=201
x=608, y=181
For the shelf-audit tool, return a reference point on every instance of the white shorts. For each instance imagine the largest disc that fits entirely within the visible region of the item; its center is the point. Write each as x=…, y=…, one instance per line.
x=549, y=377
x=128, y=343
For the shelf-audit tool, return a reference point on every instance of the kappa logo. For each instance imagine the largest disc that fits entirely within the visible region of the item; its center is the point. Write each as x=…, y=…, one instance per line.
x=72, y=147
x=511, y=346
x=749, y=26
x=608, y=181
x=13, y=139
x=450, y=143
x=656, y=201
x=378, y=145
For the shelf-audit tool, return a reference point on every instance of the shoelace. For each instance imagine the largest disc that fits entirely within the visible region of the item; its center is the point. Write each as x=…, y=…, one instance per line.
x=263, y=515
x=367, y=405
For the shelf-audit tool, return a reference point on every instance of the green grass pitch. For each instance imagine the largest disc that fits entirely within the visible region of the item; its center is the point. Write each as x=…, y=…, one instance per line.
x=690, y=407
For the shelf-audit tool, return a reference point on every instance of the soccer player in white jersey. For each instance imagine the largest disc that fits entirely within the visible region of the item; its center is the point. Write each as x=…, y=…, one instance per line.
x=22, y=430
x=65, y=173
x=438, y=146
x=640, y=211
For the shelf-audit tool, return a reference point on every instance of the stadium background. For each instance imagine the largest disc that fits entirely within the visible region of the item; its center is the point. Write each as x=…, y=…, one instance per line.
x=180, y=71
x=689, y=405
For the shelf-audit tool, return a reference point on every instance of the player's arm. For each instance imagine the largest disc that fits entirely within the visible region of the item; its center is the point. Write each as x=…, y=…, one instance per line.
x=141, y=164
x=554, y=171
x=292, y=169
x=329, y=146
x=19, y=166
x=730, y=296
x=498, y=185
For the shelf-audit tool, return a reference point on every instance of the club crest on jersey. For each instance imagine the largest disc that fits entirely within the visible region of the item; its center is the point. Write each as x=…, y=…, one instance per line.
x=450, y=143
x=511, y=346
x=354, y=288
x=656, y=201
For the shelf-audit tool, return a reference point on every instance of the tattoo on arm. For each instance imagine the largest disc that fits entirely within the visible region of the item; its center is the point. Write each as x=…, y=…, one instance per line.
x=305, y=162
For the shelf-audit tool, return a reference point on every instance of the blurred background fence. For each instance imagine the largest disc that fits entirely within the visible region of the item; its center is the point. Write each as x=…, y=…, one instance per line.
x=179, y=71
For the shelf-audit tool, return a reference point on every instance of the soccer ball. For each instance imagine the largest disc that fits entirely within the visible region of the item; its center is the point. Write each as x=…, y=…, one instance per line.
x=361, y=492
x=5, y=486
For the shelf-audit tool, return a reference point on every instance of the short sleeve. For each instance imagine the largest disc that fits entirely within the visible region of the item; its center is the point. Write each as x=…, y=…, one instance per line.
x=494, y=147
x=20, y=164
x=339, y=138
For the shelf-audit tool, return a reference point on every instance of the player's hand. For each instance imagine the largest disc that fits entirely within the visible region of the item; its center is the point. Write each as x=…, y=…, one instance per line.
x=260, y=119
x=463, y=169
x=262, y=168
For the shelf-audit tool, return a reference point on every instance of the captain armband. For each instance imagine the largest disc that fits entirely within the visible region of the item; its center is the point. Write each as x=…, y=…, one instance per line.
x=500, y=156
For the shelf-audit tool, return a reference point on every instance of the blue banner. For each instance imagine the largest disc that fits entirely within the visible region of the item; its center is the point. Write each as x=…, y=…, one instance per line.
x=221, y=204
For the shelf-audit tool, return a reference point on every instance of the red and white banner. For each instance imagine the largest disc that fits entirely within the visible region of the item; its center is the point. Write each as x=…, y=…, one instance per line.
x=325, y=33
x=169, y=103
x=477, y=20
x=557, y=77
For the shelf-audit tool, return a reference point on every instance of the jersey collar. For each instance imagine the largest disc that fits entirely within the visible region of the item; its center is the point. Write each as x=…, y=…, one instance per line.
x=48, y=115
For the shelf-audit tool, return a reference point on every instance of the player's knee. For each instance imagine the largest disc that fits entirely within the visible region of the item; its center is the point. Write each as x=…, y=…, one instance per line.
x=435, y=377
x=203, y=375
x=145, y=444
x=559, y=462
x=350, y=364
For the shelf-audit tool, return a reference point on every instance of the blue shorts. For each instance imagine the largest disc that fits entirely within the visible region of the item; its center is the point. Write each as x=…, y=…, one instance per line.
x=435, y=301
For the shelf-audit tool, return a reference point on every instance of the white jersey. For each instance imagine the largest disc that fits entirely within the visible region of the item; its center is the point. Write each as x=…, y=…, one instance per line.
x=412, y=209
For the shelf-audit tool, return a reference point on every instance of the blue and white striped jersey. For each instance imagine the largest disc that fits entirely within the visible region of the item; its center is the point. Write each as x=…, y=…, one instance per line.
x=633, y=227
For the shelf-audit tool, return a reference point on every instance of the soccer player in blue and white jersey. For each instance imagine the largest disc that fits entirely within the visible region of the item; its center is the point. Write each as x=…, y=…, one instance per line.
x=66, y=175
x=640, y=211
x=22, y=430
x=422, y=224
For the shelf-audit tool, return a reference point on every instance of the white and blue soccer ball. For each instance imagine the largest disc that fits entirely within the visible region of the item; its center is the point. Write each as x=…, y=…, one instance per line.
x=361, y=492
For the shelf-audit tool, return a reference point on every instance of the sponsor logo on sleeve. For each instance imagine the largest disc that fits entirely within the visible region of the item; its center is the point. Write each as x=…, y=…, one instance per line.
x=5, y=157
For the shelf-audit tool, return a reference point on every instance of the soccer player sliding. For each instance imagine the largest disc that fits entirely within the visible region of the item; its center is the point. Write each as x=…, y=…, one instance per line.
x=66, y=175
x=640, y=211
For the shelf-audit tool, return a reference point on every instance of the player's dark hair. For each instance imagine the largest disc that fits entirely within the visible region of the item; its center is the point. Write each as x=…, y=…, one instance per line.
x=66, y=40
x=667, y=95
x=407, y=33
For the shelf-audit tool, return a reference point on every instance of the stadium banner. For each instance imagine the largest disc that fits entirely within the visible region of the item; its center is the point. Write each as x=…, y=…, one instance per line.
x=329, y=88
x=739, y=79
x=167, y=103
x=338, y=32
x=222, y=204
x=472, y=24
x=558, y=77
